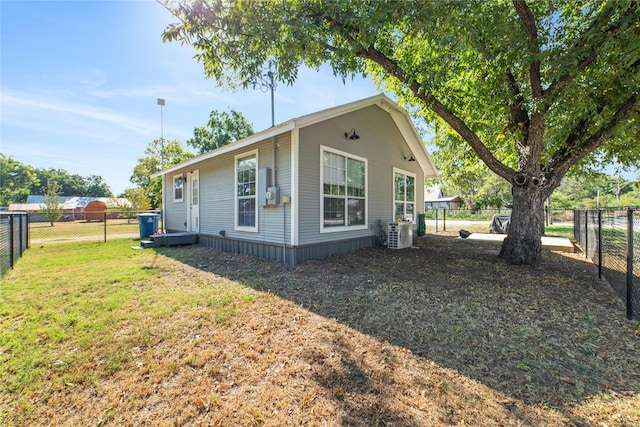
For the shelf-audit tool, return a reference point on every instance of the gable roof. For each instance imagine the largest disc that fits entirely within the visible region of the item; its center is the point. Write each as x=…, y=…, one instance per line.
x=400, y=117
x=436, y=195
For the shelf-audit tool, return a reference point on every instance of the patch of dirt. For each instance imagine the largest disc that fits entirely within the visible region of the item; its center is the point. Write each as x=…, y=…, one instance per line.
x=440, y=334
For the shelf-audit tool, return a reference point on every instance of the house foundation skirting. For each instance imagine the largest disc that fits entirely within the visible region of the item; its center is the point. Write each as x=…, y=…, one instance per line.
x=291, y=255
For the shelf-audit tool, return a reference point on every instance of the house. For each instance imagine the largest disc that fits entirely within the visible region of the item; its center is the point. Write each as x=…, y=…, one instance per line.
x=435, y=199
x=316, y=185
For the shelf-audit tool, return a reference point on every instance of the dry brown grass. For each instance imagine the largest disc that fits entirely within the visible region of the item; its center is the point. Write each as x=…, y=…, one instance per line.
x=441, y=334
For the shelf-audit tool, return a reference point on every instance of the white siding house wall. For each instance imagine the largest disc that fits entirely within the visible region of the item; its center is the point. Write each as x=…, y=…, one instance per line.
x=175, y=212
x=294, y=232
x=380, y=143
x=217, y=195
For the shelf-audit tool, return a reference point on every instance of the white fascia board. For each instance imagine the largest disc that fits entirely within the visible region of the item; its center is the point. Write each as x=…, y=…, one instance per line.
x=237, y=145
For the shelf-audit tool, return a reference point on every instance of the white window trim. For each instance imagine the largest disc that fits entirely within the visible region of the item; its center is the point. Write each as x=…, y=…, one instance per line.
x=173, y=186
x=235, y=192
x=345, y=227
x=393, y=192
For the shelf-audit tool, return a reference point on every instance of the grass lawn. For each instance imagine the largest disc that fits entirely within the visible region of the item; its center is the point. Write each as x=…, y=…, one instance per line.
x=443, y=334
x=43, y=232
x=559, y=230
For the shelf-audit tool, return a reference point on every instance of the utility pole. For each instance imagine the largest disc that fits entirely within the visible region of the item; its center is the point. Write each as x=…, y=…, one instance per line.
x=161, y=104
x=272, y=86
x=267, y=83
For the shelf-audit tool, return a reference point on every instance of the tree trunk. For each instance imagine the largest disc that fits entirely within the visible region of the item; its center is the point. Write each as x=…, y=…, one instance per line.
x=523, y=244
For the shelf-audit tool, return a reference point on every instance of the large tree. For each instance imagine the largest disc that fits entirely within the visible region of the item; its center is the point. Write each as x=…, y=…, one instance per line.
x=69, y=184
x=223, y=128
x=16, y=179
x=157, y=155
x=532, y=88
x=96, y=186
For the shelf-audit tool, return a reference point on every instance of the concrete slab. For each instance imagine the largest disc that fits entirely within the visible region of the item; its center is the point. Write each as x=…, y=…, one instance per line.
x=561, y=244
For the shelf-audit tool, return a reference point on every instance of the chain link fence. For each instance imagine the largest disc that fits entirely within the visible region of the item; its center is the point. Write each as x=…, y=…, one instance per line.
x=441, y=217
x=611, y=239
x=14, y=238
x=89, y=226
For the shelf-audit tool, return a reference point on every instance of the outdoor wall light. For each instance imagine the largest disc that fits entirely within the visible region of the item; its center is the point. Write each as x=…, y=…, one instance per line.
x=352, y=135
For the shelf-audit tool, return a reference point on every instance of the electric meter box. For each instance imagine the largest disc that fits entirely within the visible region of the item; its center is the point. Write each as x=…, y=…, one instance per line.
x=269, y=193
x=273, y=196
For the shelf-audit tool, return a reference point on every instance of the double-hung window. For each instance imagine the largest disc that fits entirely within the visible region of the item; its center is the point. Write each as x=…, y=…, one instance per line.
x=246, y=186
x=404, y=195
x=178, y=184
x=344, y=191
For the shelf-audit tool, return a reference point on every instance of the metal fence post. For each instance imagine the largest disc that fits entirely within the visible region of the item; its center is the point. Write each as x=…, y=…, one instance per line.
x=436, y=219
x=19, y=228
x=104, y=220
x=600, y=244
x=629, y=263
x=444, y=219
x=11, y=240
x=586, y=233
x=27, y=236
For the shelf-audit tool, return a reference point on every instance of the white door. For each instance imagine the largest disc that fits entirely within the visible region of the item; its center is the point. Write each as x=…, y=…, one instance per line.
x=193, y=198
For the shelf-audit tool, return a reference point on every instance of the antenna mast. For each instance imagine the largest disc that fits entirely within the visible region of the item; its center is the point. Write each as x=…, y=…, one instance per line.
x=267, y=83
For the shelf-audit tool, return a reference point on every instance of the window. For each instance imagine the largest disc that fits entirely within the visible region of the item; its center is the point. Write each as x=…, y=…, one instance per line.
x=178, y=183
x=404, y=195
x=246, y=199
x=344, y=192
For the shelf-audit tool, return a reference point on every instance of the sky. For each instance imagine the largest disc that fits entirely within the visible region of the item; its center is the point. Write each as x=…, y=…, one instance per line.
x=80, y=80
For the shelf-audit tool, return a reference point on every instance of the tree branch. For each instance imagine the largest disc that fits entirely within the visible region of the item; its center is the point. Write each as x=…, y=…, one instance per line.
x=534, y=141
x=529, y=23
x=595, y=33
x=577, y=149
x=519, y=116
x=391, y=67
x=451, y=119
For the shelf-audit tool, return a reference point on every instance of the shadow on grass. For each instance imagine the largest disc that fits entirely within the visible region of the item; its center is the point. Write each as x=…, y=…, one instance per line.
x=548, y=335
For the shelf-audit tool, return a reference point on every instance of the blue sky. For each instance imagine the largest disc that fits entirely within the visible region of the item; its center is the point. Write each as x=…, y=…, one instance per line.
x=79, y=83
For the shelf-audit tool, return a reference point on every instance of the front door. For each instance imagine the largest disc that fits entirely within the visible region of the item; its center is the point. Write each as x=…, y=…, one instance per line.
x=193, y=199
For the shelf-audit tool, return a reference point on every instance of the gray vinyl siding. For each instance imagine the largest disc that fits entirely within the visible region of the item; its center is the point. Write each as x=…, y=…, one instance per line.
x=175, y=212
x=217, y=196
x=381, y=144
x=384, y=148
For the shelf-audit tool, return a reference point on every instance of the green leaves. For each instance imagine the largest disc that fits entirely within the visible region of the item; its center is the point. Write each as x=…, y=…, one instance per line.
x=158, y=153
x=523, y=85
x=223, y=128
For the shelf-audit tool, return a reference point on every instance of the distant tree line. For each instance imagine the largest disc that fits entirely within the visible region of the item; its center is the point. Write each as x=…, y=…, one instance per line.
x=478, y=188
x=18, y=180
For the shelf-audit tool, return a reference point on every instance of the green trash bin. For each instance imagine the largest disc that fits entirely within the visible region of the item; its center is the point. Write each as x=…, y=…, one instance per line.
x=148, y=223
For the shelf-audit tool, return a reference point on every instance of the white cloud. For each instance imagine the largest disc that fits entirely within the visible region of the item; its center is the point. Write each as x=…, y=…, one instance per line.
x=33, y=112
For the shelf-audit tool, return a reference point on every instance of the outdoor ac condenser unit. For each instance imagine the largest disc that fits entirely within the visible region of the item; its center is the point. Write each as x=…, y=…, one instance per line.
x=400, y=235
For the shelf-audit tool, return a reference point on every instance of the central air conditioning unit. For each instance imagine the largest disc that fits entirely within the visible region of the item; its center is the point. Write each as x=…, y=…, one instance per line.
x=400, y=235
